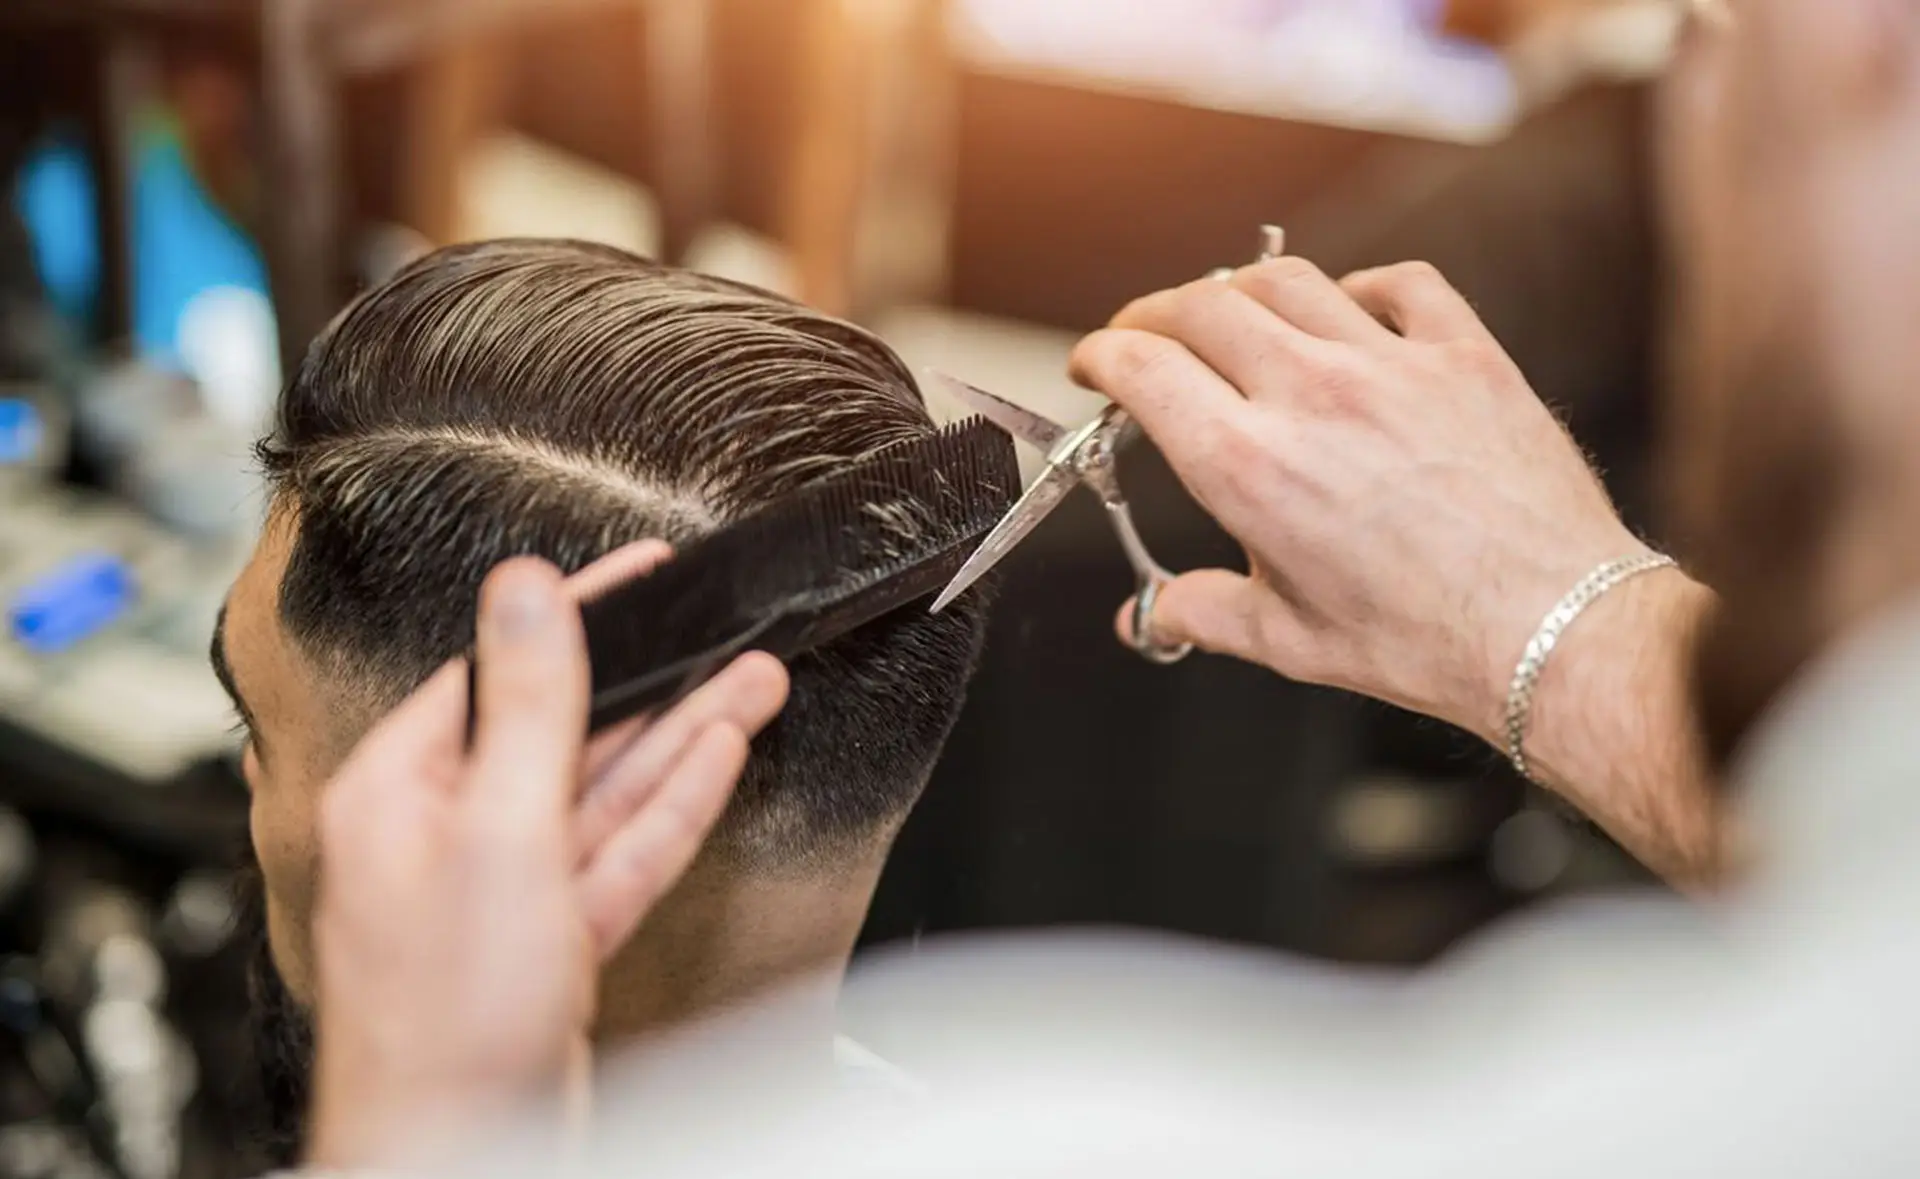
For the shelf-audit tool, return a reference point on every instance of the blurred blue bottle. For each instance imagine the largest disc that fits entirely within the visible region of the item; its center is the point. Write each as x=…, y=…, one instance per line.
x=201, y=300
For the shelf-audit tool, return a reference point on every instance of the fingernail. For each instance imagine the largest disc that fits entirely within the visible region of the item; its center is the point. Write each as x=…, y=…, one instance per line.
x=521, y=605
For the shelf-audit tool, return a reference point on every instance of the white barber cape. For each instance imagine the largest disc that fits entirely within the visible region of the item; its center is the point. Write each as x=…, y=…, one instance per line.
x=1773, y=1034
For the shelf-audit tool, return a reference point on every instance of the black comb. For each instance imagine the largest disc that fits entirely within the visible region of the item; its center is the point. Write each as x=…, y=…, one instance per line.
x=838, y=553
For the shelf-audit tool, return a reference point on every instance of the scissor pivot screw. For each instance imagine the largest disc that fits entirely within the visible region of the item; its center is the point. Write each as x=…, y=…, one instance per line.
x=1096, y=454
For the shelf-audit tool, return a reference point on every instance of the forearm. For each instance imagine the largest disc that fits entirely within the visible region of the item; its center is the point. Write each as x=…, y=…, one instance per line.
x=1615, y=731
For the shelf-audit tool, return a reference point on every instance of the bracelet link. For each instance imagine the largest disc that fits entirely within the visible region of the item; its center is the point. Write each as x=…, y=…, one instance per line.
x=1526, y=675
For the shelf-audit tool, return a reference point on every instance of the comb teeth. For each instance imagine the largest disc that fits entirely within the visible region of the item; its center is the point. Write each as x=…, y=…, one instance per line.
x=805, y=570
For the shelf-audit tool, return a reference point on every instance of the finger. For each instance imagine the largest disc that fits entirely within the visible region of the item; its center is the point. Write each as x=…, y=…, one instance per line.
x=746, y=696
x=607, y=747
x=649, y=854
x=1198, y=421
x=1302, y=294
x=532, y=696
x=1217, y=611
x=1415, y=300
x=1245, y=342
x=621, y=565
x=1152, y=377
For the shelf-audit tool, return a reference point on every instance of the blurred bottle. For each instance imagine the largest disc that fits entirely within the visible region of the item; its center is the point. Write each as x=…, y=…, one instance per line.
x=101, y=968
x=158, y=442
x=201, y=303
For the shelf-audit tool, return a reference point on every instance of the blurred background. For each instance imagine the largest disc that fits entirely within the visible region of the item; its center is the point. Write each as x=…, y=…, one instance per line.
x=193, y=187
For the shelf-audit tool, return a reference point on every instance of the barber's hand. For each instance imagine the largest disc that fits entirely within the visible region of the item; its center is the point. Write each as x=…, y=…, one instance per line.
x=1409, y=507
x=467, y=902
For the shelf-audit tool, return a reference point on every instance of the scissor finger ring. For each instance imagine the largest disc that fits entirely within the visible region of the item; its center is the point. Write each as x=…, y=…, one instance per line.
x=1143, y=640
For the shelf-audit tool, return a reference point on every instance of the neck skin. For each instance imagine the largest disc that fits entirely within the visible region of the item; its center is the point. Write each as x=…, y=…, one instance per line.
x=727, y=936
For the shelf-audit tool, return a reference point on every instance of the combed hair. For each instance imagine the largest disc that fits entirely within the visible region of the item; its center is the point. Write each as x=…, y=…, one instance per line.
x=562, y=399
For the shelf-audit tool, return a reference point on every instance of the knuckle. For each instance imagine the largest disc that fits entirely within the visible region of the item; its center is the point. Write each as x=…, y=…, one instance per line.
x=1376, y=290
x=1199, y=303
x=1284, y=274
x=1416, y=273
x=1366, y=279
x=1294, y=269
x=1135, y=358
x=1136, y=311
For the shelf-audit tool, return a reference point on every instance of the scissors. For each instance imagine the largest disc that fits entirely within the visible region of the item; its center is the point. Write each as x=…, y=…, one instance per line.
x=1088, y=455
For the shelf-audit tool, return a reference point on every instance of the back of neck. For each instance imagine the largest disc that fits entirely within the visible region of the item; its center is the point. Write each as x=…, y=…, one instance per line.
x=725, y=937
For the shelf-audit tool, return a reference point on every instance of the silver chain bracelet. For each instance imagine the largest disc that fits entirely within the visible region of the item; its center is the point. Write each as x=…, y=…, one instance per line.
x=1526, y=676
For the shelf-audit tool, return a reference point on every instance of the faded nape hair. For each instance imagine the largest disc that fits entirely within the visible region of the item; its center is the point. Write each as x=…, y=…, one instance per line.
x=562, y=399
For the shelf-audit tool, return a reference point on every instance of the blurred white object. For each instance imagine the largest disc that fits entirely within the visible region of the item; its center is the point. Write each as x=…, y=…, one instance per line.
x=515, y=186
x=125, y=405
x=230, y=346
x=1775, y=1035
x=1370, y=64
x=199, y=477
x=201, y=916
x=165, y=446
x=1623, y=41
x=728, y=251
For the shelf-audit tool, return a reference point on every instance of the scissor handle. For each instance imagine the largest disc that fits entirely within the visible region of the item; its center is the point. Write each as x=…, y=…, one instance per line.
x=1143, y=642
x=1097, y=460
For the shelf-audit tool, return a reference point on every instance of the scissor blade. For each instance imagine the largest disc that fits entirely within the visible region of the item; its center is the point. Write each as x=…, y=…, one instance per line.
x=1016, y=420
x=1036, y=505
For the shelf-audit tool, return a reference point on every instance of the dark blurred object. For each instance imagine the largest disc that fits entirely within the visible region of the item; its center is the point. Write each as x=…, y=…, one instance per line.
x=28, y=330
x=117, y=1053
x=303, y=52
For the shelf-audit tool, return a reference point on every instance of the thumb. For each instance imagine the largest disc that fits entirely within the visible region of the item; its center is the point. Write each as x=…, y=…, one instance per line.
x=1217, y=611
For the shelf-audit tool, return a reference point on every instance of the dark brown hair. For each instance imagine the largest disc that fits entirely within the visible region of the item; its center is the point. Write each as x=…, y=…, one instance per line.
x=562, y=399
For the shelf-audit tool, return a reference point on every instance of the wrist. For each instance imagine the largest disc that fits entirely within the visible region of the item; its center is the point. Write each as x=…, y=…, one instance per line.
x=1606, y=581
x=1639, y=634
x=1611, y=727
x=371, y=1118
x=1533, y=592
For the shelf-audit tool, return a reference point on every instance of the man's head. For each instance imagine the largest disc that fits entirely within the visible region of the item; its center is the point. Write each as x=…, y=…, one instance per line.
x=1792, y=149
x=561, y=399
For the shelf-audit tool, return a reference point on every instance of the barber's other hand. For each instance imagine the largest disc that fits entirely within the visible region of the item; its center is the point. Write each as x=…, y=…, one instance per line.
x=1409, y=507
x=466, y=902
